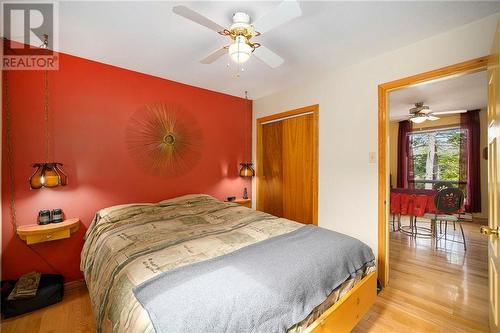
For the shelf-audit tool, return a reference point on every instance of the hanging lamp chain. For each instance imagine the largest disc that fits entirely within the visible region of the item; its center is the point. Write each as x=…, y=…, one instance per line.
x=46, y=103
x=246, y=129
x=10, y=153
x=46, y=114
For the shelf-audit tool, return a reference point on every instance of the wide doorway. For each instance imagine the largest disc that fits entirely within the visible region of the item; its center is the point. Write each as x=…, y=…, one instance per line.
x=439, y=252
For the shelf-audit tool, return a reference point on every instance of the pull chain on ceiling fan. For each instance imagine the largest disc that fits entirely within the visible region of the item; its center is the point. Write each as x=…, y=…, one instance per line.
x=242, y=31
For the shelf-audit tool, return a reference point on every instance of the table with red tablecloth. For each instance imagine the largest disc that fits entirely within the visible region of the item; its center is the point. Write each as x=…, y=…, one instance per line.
x=412, y=202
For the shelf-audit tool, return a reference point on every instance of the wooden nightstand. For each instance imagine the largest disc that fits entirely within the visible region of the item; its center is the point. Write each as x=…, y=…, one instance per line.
x=244, y=202
x=35, y=233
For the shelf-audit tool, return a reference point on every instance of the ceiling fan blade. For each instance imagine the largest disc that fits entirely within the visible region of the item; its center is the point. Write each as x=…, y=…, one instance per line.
x=432, y=118
x=284, y=12
x=213, y=56
x=450, y=112
x=268, y=57
x=197, y=18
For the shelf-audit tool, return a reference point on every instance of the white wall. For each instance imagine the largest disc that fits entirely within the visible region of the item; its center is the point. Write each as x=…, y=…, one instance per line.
x=348, y=100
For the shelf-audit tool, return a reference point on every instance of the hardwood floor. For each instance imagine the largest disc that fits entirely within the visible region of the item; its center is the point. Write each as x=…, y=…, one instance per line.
x=444, y=290
x=72, y=315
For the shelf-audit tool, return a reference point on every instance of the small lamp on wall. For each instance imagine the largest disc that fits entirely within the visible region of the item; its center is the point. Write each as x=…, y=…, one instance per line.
x=48, y=174
x=246, y=170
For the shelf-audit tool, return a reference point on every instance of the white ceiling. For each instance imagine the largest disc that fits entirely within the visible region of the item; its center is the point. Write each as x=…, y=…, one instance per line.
x=147, y=37
x=467, y=92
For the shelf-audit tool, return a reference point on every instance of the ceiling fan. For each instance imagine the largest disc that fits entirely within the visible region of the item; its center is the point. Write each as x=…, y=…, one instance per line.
x=242, y=31
x=421, y=113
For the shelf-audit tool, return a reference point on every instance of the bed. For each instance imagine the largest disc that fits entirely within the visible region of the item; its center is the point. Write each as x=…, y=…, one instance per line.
x=136, y=251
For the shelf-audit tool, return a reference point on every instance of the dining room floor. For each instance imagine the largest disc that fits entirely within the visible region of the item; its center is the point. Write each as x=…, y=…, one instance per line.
x=433, y=290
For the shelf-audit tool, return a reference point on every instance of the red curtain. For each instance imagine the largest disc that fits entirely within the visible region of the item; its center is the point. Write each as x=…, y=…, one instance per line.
x=405, y=160
x=470, y=159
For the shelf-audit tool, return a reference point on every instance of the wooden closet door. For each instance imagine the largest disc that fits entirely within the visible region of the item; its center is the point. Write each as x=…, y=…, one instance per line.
x=287, y=164
x=298, y=168
x=271, y=186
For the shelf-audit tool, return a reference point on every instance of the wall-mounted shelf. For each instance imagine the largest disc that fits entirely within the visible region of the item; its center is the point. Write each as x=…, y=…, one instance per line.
x=244, y=202
x=35, y=233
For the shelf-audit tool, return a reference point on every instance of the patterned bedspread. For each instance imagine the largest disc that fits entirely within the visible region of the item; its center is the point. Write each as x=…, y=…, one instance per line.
x=129, y=244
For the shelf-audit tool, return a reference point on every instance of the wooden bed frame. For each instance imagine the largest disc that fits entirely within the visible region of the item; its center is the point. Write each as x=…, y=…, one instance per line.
x=342, y=316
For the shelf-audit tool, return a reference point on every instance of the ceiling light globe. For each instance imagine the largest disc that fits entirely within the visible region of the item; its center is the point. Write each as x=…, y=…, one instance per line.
x=240, y=51
x=418, y=119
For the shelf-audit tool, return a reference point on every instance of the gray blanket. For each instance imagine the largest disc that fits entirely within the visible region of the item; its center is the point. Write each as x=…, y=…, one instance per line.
x=265, y=287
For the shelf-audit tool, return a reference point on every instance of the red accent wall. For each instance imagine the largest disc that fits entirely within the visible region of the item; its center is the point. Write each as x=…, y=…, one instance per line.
x=90, y=106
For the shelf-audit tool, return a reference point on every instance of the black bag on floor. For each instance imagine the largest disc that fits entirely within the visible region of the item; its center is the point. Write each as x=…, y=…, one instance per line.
x=50, y=291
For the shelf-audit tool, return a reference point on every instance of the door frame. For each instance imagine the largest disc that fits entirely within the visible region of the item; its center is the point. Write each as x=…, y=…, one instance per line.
x=312, y=109
x=462, y=68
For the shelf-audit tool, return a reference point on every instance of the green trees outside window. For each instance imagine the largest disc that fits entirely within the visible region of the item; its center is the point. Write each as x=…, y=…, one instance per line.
x=435, y=155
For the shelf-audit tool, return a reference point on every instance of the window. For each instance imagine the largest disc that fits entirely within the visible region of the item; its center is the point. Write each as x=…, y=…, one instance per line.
x=434, y=157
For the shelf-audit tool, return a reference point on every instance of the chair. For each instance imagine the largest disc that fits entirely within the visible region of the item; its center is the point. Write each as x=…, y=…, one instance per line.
x=448, y=201
x=441, y=185
x=438, y=187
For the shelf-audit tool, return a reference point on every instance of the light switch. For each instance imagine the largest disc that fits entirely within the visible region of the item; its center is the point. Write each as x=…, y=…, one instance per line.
x=372, y=157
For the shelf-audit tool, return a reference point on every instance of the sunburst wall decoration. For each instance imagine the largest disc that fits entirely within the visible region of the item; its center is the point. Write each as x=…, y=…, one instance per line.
x=164, y=139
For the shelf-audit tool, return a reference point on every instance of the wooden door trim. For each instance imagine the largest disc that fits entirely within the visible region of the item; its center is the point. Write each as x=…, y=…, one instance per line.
x=312, y=109
x=462, y=68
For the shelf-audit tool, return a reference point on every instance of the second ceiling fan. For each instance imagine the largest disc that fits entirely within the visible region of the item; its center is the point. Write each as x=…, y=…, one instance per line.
x=421, y=113
x=242, y=30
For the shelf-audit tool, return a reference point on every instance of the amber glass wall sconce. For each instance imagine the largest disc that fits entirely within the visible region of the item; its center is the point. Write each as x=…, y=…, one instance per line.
x=247, y=170
x=48, y=175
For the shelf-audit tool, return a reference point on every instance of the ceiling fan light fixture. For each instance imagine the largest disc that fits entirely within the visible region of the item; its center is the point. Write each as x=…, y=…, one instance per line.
x=418, y=119
x=243, y=30
x=240, y=21
x=240, y=51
